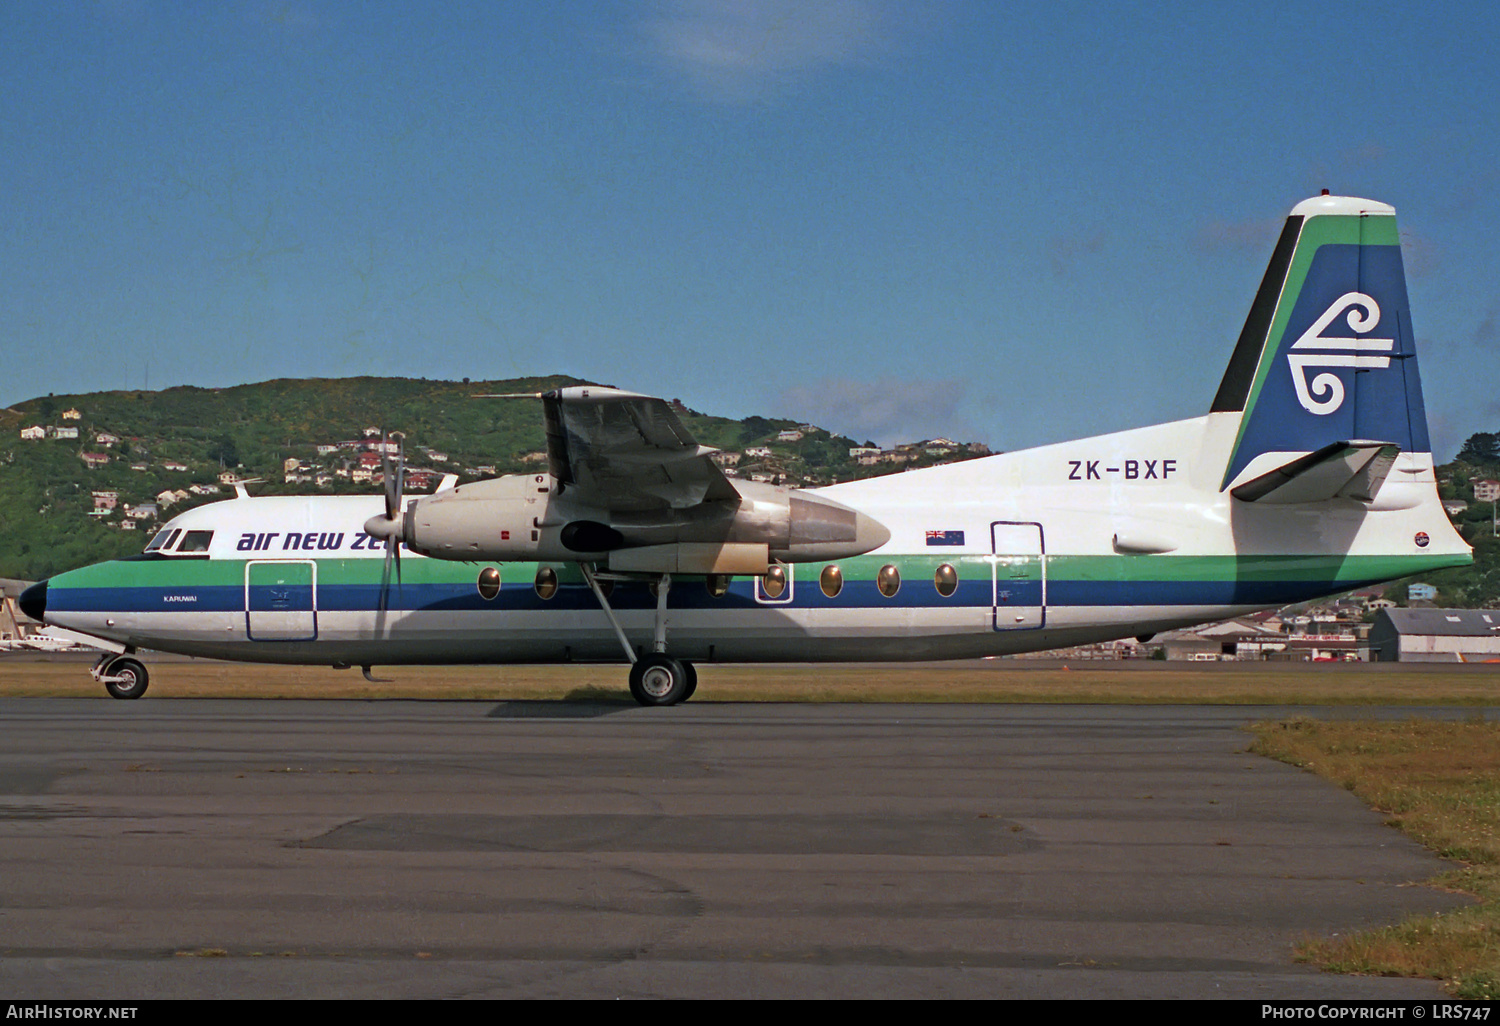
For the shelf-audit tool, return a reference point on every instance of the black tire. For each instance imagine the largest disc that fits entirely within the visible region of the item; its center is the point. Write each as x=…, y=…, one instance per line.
x=658, y=680
x=135, y=684
x=692, y=679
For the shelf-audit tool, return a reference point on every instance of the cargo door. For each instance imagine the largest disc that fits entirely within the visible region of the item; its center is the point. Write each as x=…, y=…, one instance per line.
x=1020, y=576
x=281, y=600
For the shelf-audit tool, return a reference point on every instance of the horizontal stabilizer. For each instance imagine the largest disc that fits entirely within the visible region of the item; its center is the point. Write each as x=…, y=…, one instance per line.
x=1343, y=470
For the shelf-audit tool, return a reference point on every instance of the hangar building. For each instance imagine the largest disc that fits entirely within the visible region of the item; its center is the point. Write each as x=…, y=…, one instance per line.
x=1436, y=636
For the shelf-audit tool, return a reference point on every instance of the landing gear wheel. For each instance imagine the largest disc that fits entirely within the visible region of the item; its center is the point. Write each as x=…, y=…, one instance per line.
x=658, y=680
x=692, y=679
x=133, y=678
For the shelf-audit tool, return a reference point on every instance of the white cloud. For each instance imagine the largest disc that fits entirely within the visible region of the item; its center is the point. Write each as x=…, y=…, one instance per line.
x=742, y=50
x=886, y=411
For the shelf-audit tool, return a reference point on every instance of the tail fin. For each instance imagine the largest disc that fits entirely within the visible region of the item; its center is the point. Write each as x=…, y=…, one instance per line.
x=1327, y=354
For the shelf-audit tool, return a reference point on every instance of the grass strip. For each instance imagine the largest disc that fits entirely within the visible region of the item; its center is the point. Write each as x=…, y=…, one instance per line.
x=1439, y=783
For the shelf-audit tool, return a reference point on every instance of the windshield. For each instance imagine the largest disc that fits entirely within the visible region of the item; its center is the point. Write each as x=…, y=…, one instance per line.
x=164, y=539
x=196, y=541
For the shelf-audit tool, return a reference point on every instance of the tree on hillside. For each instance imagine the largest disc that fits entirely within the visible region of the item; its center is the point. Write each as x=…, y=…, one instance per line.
x=755, y=427
x=224, y=451
x=1483, y=447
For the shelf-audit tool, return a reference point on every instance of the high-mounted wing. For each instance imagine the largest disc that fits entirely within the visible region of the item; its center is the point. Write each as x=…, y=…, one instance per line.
x=627, y=452
x=631, y=490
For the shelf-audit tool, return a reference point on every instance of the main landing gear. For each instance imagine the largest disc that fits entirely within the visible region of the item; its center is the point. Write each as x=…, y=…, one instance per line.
x=656, y=679
x=122, y=676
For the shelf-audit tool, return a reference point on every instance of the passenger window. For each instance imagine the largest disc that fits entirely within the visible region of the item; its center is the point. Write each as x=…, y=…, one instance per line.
x=774, y=582
x=831, y=581
x=888, y=580
x=546, y=582
x=196, y=541
x=945, y=580
x=489, y=583
x=717, y=584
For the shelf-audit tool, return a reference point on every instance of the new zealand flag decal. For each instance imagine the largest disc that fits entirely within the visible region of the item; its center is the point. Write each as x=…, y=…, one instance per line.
x=945, y=537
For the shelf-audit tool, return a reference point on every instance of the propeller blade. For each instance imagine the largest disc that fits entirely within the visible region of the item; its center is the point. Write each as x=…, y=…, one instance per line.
x=389, y=526
x=394, y=475
x=385, y=593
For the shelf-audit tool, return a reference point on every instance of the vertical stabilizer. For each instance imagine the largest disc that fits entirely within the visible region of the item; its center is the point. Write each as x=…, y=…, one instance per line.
x=1327, y=353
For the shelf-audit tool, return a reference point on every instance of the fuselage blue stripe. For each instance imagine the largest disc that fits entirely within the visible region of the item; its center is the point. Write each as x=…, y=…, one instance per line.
x=692, y=595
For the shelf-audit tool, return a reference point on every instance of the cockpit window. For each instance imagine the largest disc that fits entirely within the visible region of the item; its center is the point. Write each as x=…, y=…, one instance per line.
x=196, y=541
x=164, y=539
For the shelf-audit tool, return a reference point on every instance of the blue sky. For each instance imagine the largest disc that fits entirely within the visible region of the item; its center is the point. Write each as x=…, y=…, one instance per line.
x=1017, y=222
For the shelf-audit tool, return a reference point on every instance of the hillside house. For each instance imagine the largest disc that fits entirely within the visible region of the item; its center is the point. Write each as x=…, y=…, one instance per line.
x=105, y=438
x=789, y=436
x=106, y=500
x=94, y=460
x=174, y=465
x=31, y=434
x=139, y=467
x=127, y=525
x=758, y=452
x=204, y=489
x=1486, y=490
x=72, y=415
x=63, y=432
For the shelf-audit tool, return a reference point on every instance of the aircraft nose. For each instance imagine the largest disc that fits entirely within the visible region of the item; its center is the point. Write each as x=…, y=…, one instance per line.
x=33, y=601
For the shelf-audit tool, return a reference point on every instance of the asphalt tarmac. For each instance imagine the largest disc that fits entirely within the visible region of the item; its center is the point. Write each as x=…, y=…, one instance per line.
x=401, y=849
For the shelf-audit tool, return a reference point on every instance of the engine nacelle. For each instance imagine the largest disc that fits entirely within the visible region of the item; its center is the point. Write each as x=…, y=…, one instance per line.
x=527, y=517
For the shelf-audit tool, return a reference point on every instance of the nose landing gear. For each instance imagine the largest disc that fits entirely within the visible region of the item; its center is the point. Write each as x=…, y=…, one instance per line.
x=122, y=676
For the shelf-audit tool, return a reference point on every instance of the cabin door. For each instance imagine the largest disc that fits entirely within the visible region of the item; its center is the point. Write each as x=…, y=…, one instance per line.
x=1020, y=576
x=281, y=600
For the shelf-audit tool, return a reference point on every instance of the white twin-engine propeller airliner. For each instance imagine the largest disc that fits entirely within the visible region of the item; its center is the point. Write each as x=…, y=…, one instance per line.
x=1310, y=475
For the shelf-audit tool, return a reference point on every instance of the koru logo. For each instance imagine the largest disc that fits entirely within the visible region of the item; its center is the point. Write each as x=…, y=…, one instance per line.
x=1325, y=393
